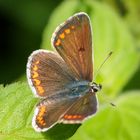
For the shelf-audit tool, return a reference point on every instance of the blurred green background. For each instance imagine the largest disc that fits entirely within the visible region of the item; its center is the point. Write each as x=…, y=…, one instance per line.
x=28, y=25
x=21, y=26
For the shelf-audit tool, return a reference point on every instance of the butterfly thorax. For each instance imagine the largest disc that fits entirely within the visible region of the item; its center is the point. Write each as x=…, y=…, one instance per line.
x=81, y=88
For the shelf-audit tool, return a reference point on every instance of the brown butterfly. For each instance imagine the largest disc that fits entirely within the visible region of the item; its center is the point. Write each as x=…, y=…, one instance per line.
x=63, y=81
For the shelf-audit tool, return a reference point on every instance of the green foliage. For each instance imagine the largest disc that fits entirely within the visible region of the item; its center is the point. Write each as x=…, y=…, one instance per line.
x=129, y=10
x=21, y=26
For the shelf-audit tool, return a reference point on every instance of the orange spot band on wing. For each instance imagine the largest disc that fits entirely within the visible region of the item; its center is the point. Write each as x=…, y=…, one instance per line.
x=58, y=42
x=62, y=36
x=35, y=74
x=37, y=82
x=65, y=116
x=37, y=62
x=72, y=117
x=69, y=117
x=42, y=110
x=35, y=68
x=79, y=116
x=40, y=116
x=67, y=31
x=40, y=89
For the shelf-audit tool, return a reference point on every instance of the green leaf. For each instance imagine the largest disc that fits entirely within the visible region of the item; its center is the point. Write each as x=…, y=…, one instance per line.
x=110, y=34
x=132, y=18
x=114, y=123
x=129, y=11
x=16, y=112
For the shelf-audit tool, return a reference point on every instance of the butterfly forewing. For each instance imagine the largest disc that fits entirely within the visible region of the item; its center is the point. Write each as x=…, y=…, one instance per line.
x=47, y=73
x=73, y=41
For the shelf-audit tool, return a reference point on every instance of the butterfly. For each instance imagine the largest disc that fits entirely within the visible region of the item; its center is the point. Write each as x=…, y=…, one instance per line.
x=63, y=79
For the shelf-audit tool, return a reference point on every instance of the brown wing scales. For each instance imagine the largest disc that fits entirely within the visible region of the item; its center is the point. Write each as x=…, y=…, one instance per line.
x=74, y=43
x=47, y=73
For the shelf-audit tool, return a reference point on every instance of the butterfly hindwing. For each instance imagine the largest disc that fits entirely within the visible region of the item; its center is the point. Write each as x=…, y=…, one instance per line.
x=83, y=108
x=47, y=73
x=49, y=111
x=73, y=41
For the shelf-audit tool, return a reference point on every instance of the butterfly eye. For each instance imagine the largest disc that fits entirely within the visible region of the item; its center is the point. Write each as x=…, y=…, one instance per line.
x=96, y=87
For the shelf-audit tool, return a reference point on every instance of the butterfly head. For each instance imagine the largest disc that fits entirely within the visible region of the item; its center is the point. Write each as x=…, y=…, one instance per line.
x=95, y=87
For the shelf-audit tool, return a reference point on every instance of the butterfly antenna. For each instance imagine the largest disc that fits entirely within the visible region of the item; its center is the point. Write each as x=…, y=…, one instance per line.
x=106, y=99
x=108, y=56
x=112, y=104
